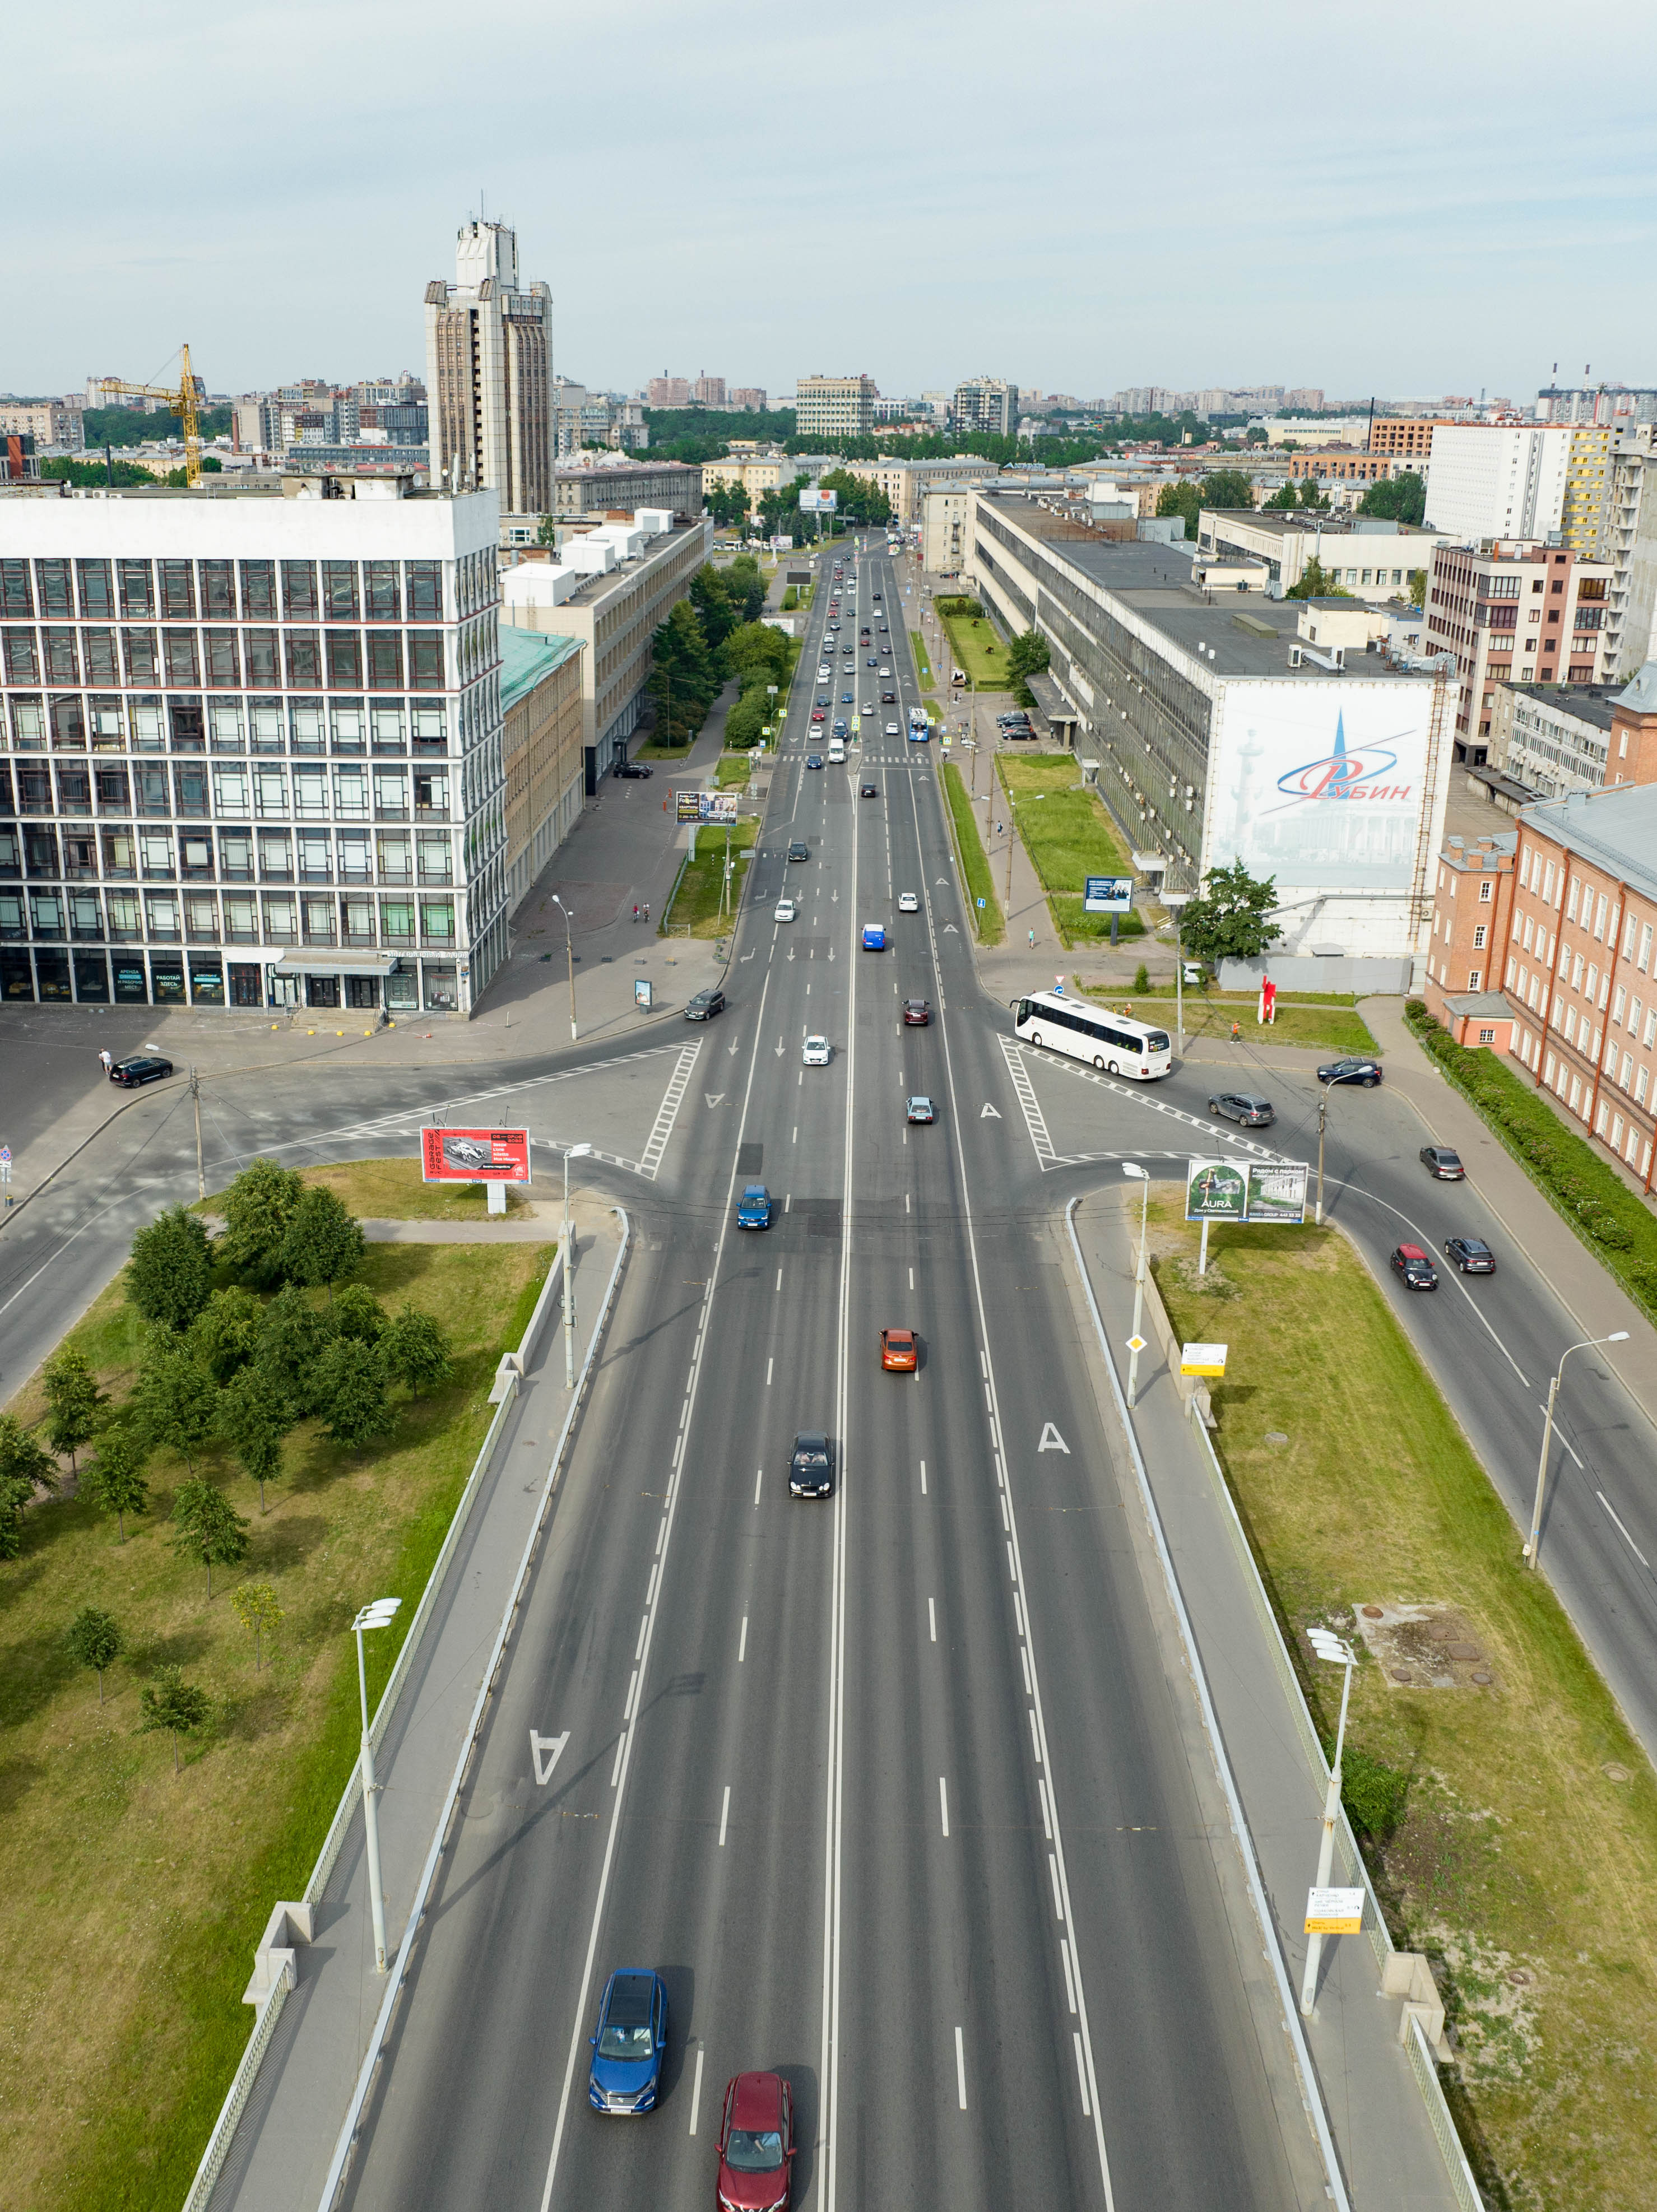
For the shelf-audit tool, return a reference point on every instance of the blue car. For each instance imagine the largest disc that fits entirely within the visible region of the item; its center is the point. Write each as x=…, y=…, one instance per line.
x=630, y=2042
x=873, y=937
x=845, y=698
x=753, y=1208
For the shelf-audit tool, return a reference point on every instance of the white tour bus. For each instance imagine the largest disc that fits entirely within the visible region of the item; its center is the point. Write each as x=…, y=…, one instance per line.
x=1116, y=1044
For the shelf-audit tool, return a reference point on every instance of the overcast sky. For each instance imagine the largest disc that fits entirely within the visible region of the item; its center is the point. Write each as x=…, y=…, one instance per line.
x=1409, y=199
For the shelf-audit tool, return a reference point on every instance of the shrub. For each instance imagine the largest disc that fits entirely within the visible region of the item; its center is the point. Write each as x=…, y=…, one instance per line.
x=1372, y=1793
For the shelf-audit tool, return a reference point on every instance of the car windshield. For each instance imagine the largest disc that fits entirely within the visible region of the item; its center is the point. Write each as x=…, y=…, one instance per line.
x=754, y=2150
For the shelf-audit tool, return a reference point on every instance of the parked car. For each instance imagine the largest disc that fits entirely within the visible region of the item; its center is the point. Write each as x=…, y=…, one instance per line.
x=704, y=1005
x=634, y=771
x=1360, y=1071
x=1471, y=1255
x=629, y=2042
x=899, y=1355
x=139, y=1067
x=755, y=2144
x=811, y=1469
x=753, y=1208
x=1244, y=1107
x=1416, y=1269
x=1441, y=1162
x=918, y=1013
x=919, y=1108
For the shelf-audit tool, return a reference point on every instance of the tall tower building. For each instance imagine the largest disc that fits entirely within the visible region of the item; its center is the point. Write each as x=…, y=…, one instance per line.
x=488, y=373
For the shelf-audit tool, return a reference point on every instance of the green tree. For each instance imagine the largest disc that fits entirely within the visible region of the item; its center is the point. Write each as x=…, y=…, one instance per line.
x=95, y=1640
x=257, y=1608
x=1184, y=500
x=747, y=587
x=175, y=1402
x=357, y=1314
x=1419, y=588
x=1227, y=488
x=1312, y=498
x=1397, y=499
x=1232, y=919
x=258, y=1207
x=862, y=500
x=757, y=654
x=223, y=1335
x=747, y=717
x=291, y=1341
x=728, y=503
x=1317, y=582
x=1282, y=500
x=171, y=1703
x=25, y=1468
x=352, y=1398
x=254, y=1414
x=169, y=1277
x=546, y=531
x=414, y=1350
x=323, y=1241
x=683, y=683
x=73, y=1399
x=116, y=1478
x=207, y=1528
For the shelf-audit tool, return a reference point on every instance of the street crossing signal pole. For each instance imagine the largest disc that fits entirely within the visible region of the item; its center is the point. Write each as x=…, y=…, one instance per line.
x=195, y=1100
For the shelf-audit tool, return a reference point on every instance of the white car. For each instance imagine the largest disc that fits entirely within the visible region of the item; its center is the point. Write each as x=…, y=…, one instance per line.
x=816, y=1052
x=908, y=903
x=883, y=671
x=823, y=673
x=785, y=910
x=893, y=731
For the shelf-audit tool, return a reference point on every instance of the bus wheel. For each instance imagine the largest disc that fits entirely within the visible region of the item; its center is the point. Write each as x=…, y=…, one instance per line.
x=1098, y=1064
x=1112, y=1067
x=1035, y=1039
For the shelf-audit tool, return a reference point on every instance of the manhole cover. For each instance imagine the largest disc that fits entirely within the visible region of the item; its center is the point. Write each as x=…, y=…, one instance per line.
x=1614, y=1772
x=1482, y=1674
x=1440, y=1632
x=1403, y=1675
x=1521, y=1978
x=1373, y=1612
x=1466, y=1651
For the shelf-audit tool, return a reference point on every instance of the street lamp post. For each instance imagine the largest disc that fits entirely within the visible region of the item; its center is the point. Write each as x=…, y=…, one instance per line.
x=1323, y=1090
x=569, y=955
x=380, y=1614
x=1174, y=900
x=1329, y=1647
x=572, y=1152
x=1533, y=1541
x=1142, y=1177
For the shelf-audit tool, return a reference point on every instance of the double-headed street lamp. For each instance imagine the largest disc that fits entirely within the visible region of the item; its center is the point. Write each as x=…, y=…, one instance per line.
x=572, y=1152
x=1330, y=1647
x=570, y=955
x=1324, y=1090
x=1142, y=1177
x=380, y=1614
x=1533, y=1541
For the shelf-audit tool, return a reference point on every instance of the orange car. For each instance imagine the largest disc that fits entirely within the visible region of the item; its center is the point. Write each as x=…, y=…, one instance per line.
x=898, y=1351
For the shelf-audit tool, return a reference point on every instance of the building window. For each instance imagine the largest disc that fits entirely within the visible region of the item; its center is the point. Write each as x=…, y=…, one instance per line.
x=1487, y=1036
x=1479, y=938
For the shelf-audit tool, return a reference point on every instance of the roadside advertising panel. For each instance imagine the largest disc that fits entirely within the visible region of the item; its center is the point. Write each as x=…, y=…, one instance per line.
x=474, y=1155
x=1216, y=1190
x=813, y=501
x=705, y=805
x=1266, y=1191
x=1277, y=1192
x=1107, y=894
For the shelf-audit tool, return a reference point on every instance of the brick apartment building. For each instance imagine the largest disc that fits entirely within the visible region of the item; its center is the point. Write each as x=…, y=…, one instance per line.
x=1518, y=611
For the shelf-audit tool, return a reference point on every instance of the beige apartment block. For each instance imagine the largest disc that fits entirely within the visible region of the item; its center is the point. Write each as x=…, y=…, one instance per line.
x=1515, y=611
x=835, y=406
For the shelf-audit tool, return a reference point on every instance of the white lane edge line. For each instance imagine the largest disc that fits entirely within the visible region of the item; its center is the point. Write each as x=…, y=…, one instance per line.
x=724, y=1816
x=696, y=2086
x=742, y=1643
x=943, y=1803
x=960, y=2069
x=1622, y=1531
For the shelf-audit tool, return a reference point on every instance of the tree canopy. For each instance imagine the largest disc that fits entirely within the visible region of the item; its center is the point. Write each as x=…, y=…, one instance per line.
x=94, y=1639
x=1317, y=582
x=323, y=1241
x=207, y=1528
x=258, y=1207
x=25, y=1468
x=1397, y=499
x=74, y=1399
x=169, y=1277
x=1231, y=920
x=170, y=1702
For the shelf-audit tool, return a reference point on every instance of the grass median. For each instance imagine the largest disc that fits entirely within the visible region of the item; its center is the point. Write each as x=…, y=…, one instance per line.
x=1069, y=836
x=1512, y=1818
x=978, y=651
x=987, y=919
x=694, y=910
x=923, y=665
x=1325, y=1026
x=127, y=1928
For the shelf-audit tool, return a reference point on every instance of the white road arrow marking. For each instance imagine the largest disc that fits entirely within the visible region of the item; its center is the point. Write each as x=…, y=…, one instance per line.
x=1051, y=1440
x=544, y=1750
x=714, y=1097
x=989, y=1113
x=779, y=1047
x=731, y=1048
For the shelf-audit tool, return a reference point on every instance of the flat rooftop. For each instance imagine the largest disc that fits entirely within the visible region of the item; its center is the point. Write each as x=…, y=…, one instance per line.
x=1580, y=702
x=1280, y=523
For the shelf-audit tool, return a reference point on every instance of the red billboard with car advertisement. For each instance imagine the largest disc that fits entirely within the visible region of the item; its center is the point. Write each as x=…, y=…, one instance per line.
x=474, y=1155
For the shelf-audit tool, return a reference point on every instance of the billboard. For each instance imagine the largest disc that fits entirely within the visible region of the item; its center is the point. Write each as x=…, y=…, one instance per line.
x=1263, y=1191
x=1322, y=785
x=474, y=1155
x=818, y=502
x=1107, y=894
x=705, y=805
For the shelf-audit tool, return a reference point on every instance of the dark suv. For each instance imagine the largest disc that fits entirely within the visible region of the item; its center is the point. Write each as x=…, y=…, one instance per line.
x=140, y=1067
x=798, y=850
x=704, y=1005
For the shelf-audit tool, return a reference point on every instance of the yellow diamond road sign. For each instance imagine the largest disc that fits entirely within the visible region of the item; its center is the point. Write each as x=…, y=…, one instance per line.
x=1136, y=1344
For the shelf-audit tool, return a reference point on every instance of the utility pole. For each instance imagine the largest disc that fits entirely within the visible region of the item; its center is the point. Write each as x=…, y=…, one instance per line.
x=195, y=1101
x=1338, y=1654
x=1142, y=1175
x=1533, y=1541
x=572, y=1152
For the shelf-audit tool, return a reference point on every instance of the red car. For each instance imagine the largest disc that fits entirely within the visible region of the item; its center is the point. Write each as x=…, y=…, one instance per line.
x=755, y=2144
x=816, y=715
x=898, y=1351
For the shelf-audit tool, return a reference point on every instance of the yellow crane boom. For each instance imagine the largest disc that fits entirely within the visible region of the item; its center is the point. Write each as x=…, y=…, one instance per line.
x=185, y=404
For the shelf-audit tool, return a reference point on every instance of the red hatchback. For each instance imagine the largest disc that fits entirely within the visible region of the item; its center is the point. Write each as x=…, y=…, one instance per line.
x=755, y=2144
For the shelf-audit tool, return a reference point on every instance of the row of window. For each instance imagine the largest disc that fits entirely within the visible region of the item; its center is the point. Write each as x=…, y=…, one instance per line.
x=190, y=790
x=234, y=918
x=227, y=660
x=51, y=973
x=164, y=854
x=145, y=722
x=254, y=591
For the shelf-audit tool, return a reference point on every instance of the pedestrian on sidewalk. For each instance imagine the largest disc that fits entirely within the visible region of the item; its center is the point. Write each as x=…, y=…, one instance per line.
x=1236, y=1033
x=635, y=910
x=105, y=1060
x=647, y=910
x=1032, y=941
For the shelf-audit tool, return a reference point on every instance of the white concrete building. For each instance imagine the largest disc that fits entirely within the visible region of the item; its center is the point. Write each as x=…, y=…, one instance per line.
x=1490, y=480
x=488, y=367
x=254, y=752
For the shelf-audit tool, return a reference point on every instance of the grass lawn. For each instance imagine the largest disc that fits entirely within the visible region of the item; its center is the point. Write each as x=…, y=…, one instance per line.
x=733, y=768
x=695, y=899
x=923, y=665
x=391, y=1190
x=1069, y=836
x=978, y=651
x=127, y=1927
x=1525, y=1856
x=1328, y=1028
x=680, y=753
x=974, y=865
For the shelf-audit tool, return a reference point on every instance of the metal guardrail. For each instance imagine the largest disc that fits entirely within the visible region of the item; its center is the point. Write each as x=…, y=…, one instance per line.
x=217, y=2149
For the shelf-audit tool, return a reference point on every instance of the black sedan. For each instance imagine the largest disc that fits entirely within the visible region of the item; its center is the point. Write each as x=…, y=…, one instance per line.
x=140, y=1067
x=813, y=760
x=811, y=1472
x=1244, y=1107
x=868, y=791
x=1365, y=1071
x=1413, y=1267
x=798, y=850
x=888, y=698
x=1441, y=1162
x=1471, y=1255
x=704, y=1005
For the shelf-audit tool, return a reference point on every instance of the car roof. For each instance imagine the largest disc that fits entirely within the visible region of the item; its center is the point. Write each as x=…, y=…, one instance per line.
x=755, y=1190
x=1470, y=1243
x=631, y=1990
x=757, y=2102
x=810, y=1440
x=897, y=1332
x=1410, y=1252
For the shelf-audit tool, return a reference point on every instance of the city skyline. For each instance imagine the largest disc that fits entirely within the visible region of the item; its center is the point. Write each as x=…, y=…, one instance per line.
x=1437, y=254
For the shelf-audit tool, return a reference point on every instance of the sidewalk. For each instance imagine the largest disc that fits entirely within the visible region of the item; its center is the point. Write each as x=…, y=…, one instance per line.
x=1381, y=2124
x=278, y=2161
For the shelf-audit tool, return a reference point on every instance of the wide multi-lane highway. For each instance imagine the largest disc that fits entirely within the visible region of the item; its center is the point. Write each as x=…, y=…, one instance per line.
x=893, y=1788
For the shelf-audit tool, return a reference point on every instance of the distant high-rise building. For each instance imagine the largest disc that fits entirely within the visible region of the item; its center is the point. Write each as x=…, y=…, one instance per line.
x=835, y=406
x=1585, y=516
x=664, y=390
x=1619, y=405
x=488, y=367
x=1488, y=481
x=707, y=390
x=989, y=403
x=746, y=398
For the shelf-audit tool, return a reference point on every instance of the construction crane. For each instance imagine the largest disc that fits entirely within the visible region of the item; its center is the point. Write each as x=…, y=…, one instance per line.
x=185, y=404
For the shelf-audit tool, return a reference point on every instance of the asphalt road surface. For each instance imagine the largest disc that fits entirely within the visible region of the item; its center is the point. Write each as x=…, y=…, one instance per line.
x=893, y=1788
